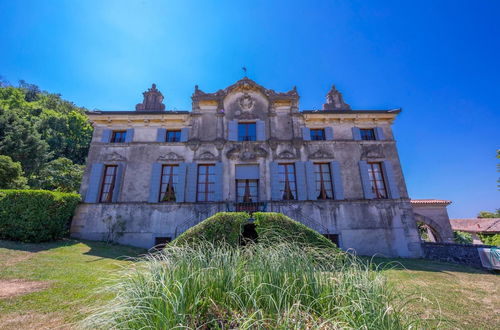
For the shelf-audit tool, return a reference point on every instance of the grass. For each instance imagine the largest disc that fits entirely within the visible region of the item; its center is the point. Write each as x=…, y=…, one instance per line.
x=467, y=297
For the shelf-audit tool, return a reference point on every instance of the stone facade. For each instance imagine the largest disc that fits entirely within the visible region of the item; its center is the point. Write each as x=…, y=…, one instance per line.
x=278, y=133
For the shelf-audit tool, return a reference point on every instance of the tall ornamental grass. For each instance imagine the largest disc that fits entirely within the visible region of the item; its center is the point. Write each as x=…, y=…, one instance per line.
x=258, y=286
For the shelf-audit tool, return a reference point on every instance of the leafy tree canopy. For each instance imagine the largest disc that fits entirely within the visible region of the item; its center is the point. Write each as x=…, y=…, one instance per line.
x=11, y=174
x=61, y=174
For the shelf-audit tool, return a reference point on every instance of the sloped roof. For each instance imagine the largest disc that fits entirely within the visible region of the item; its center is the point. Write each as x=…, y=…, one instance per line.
x=430, y=202
x=476, y=225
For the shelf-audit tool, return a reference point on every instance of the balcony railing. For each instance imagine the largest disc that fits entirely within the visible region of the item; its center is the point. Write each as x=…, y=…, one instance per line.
x=249, y=207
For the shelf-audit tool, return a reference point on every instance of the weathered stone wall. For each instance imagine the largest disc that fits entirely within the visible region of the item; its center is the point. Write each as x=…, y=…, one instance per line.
x=465, y=254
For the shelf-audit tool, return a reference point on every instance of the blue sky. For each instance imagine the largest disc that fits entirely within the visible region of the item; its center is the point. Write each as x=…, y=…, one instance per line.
x=438, y=60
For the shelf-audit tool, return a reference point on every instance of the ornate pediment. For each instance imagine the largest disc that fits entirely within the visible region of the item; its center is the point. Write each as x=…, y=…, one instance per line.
x=335, y=100
x=153, y=100
x=372, y=151
x=246, y=152
x=286, y=155
x=321, y=154
x=114, y=157
x=171, y=156
x=207, y=155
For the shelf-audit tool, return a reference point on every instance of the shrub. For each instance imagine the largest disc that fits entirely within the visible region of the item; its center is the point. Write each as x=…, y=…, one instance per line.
x=257, y=286
x=274, y=228
x=223, y=227
x=461, y=237
x=35, y=215
x=490, y=239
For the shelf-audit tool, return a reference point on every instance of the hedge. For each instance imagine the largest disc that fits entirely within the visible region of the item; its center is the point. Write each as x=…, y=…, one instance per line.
x=35, y=215
x=277, y=227
x=222, y=227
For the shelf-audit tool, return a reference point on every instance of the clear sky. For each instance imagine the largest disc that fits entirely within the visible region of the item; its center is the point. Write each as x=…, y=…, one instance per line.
x=438, y=60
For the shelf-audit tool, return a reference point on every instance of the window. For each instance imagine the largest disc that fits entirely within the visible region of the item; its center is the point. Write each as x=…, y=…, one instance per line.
x=247, y=132
x=367, y=134
x=247, y=191
x=173, y=136
x=206, y=183
x=118, y=136
x=377, y=180
x=323, y=175
x=317, y=134
x=169, y=174
x=108, y=184
x=286, y=173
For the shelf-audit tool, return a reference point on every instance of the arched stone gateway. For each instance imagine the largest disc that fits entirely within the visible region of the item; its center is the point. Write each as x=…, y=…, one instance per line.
x=432, y=218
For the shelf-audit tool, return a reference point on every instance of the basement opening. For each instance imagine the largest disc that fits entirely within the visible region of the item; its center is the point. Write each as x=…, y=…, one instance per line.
x=249, y=234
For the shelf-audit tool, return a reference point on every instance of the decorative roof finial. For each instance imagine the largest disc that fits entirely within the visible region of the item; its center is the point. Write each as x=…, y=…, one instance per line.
x=244, y=68
x=335, y=100
x=153, y=100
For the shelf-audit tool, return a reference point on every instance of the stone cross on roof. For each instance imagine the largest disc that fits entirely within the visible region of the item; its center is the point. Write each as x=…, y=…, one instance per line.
x=153, y=100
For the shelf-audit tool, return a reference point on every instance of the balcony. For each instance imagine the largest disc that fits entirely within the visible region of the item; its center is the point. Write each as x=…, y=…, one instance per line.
x=249, y=207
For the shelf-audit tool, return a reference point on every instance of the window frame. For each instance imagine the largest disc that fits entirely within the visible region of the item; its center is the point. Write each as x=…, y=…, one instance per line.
x=373, y=181
x=283, y=184
x=247, y=137
x=109, y=193
x=363, y=135
x=176, y=138
x=322, y=176
x=171, y=175
x=315, y=137
x=247, y=182
x=207, y=193
x=123, y=136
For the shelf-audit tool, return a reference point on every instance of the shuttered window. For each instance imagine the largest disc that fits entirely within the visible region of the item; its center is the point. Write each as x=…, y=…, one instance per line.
x=108, y=184
x=206, y=183
x=287, y=181
x=247, y=132
x=317, y=134
x=324, y=186
x=377, y=180
x=168, y=184
x=173, y=136
x=118, y=136
x=367, y=134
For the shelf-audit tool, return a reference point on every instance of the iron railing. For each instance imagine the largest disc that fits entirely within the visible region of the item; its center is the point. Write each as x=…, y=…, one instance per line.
x=249, y=207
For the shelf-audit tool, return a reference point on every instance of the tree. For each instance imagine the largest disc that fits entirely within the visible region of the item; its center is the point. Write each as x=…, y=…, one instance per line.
x=11, y=174
x=486, y=214
x=60, y=174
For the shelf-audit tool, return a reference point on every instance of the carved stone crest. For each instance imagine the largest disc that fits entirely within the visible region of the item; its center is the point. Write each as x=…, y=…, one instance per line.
x=153, y=100
x=194, y=144
x=114, y=157
x=286, y=155
x=372, y=151
x=207, y=155
x=335, y=100
x=246, y=102
x=171, y=156
x=321, y=154
x=246, y=152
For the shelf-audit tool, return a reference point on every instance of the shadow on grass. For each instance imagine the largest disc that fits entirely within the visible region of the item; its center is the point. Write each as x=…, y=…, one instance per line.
x=35, y=247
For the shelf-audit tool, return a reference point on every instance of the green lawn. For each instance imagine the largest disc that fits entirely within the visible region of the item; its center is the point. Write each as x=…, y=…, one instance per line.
x=74, y=270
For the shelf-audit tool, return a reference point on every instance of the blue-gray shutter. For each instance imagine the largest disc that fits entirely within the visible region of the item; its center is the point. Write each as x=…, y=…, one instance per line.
x=95, y=178
x=365, y=180
x=130, y=135
x=247, y=172
x=311, y=181
x=161, y=135
x=154, y=184
x=184, y=134
x=356, y=134
x=329, y=133
x=300, y=176
x=180, y=189
x=379, y=133
x=261, y=130
x=218, y=181
x=391, y=181
x=306, y=134
x=275, y=182
x=338, y=187
x=232, y=130
x=106, y=136
x=191, y=181
x=118, y=183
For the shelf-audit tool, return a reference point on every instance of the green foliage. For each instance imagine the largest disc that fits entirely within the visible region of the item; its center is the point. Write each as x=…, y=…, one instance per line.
x=461, y=237
x=221, y=228
x=37, y=127
x=490, y=239
x=61, y=175
x=486, y=214
x=11, y=174
x=35, y=215
x=258, y=286
x=274, y=228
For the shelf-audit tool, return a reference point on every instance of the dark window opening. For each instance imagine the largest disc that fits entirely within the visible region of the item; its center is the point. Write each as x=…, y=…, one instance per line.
x=287, y=181
x=247, y=132
x=377, y=180
x=161, y=242
x=317, y=134
x=333, y=237
x=173, y=136
x=118, y=136
x=206, y=183
x=324, y=186
x=367, y=134
x=108, y=184
x=249, y=234
x=168, y=183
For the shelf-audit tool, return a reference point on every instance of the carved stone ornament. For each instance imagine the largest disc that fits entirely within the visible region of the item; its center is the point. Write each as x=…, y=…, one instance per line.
x=207, y=155
x=335, y=100
x=286, y=155
x=246, y=102
x=372, y=151
x=273, y=143
x=194, y=144
x=171, y=156
x=321, y=154
x=114, y=157
x=219, y=143
x=246, y=152
x=153, y=100
x=297, y=143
